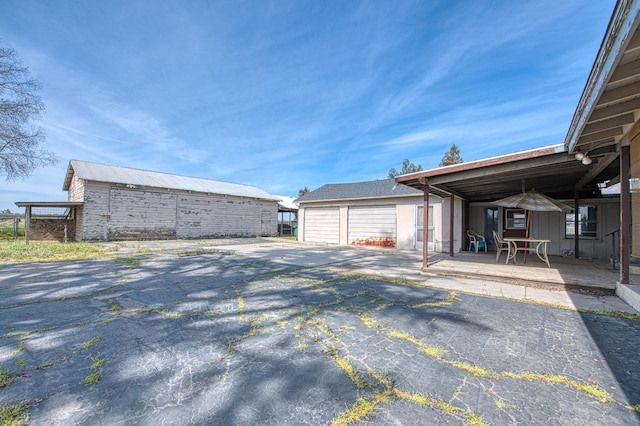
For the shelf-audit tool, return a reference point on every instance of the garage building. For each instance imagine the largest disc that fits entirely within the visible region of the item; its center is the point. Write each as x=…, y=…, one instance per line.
x=372, y=213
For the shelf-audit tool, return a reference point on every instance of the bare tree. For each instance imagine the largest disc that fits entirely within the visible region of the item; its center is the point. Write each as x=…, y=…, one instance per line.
x=21, y=150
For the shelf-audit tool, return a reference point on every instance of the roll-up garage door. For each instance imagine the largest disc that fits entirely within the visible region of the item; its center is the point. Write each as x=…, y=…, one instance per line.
x=322, y=225
x=372, y=226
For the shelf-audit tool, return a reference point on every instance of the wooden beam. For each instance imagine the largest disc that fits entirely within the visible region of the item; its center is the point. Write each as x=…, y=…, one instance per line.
x=622, y=72
x=501, y=168
x=600, y=136
x=615, y=109
x=625, y=214
x=609, y=123
x=620, y=93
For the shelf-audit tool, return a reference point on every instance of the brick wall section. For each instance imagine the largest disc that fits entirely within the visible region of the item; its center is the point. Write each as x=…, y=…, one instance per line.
x=51, y=230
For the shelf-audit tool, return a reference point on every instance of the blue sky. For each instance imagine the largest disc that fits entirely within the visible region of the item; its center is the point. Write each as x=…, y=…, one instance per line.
x=295, y=93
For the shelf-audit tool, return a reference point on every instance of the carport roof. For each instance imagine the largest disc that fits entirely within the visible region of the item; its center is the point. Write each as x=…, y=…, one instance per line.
x=143, y=178
x=384, y=188
x=550, y=170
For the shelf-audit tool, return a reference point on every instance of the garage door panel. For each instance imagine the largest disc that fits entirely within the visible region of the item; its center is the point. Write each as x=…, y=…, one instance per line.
x=322, y=225
x=372, y=225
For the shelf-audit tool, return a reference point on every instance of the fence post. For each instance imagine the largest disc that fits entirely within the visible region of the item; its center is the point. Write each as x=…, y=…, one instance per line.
x=16, y=221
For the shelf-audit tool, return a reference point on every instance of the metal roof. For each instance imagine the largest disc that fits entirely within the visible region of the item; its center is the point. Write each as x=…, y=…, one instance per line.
x=385, y=188
x=144, y=178
x=549, y=170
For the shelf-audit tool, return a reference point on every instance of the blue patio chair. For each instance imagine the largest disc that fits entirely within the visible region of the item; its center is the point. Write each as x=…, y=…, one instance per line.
x=476, y=241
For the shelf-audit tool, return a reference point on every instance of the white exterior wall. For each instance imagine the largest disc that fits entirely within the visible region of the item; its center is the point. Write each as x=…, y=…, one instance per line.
x=445, y=220
x=405, y=213
x=207, y=216
x=550, y=226
x=76, y=193
x=114, y=212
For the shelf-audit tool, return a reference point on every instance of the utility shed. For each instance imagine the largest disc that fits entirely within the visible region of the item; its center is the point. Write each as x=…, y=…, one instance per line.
x=120, y=203
x=373, y=213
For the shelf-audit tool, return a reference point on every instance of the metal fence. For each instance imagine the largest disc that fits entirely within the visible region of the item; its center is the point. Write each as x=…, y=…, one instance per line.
x=11, y=227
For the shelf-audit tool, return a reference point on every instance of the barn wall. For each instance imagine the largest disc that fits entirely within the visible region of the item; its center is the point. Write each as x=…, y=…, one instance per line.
x=141, y=214
x=95, y=212
x=209, y=216
x=119, y=213
x=76, y=193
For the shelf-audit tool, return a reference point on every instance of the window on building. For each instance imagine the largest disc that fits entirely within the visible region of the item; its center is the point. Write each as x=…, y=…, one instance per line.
x=587, y=222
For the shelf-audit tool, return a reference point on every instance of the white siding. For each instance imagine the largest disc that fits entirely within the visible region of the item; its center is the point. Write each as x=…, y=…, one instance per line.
x=142, y=214
x=372, y=225
x=202, y=216
x=322, y=225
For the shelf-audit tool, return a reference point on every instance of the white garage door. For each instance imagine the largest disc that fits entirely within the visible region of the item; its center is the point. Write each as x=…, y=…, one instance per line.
x=322, y=225
x=372, y=226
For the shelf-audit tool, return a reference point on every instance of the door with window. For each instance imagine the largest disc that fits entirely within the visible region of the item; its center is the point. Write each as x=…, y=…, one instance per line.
x=515, y=223
x=420, y=229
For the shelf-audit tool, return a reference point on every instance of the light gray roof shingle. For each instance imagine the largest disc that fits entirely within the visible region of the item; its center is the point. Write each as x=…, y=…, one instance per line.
x=128, y=176
x=348, y=191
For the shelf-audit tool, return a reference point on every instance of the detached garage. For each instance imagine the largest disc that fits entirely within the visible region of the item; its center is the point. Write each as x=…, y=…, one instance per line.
x=374, y=213
x=117, y=203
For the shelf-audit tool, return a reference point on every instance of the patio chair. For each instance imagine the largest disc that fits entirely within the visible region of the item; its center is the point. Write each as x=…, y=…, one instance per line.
x=476, y=241
x=501, y=245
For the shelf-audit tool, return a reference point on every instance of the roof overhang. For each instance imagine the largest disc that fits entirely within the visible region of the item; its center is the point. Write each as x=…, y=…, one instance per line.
x=610, y=103
x=550, y=170
x=49, y=203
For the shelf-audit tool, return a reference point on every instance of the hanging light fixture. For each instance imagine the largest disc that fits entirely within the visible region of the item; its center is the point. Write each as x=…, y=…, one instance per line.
x=584, y=158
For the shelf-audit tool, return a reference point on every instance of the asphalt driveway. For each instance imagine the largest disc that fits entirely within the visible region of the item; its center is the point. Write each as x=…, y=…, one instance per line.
x=217, y=337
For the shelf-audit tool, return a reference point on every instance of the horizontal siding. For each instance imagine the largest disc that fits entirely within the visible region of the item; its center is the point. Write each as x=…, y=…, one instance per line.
x=322, y=225
x=373, y=225
x=216, y=216
x=142, y=214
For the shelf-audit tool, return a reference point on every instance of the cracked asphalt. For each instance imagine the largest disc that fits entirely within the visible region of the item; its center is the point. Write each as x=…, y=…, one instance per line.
x=215, y=337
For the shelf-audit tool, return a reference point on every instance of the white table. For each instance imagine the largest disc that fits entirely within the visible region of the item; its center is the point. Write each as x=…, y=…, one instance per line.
x=531, y=244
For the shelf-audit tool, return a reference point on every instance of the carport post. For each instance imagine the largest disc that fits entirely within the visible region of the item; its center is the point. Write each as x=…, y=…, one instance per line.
x=576, y=225
x=27, y=221
x=452, y=214
x=425, y=227
x=625, y=211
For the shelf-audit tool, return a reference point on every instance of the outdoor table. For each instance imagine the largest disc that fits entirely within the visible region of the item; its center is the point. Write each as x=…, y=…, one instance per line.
x=531, y=244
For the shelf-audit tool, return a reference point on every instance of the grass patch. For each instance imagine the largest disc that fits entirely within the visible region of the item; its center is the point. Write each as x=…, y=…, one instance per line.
x=92, y=379
x=5, y=378
x=96, y=362
x=448, y=301
x=35, y=251
x=14, y=414
x=635, y=408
